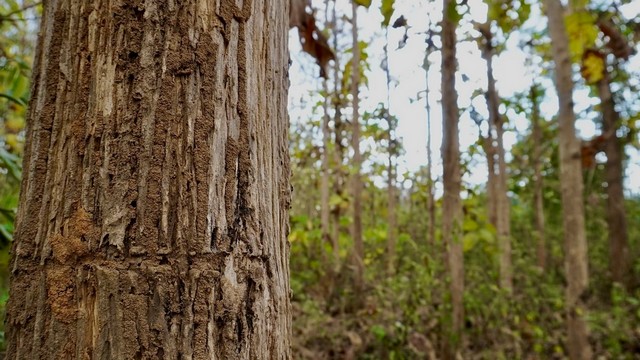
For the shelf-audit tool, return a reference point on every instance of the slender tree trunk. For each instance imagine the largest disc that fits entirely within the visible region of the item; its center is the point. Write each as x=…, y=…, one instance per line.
x=431, y=203
x=538, y=183
x=492, y=179
x=356, y=181
x=499, y=207
x=339, y=150
x=154, y=202
x=576, y=265
x=452, y=206
x=392, y=223
x=326, y=142
x=616, y=215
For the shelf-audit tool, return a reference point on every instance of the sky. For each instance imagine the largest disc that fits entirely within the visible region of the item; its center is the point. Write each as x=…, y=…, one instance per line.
x=407, y=102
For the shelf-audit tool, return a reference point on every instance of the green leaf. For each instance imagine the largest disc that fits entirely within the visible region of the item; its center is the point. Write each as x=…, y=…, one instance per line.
x=11, y=162
x=387, y=11
x=378, y=331
x=12, y=98
x=452, y=12
x=582, y=33
x=5, y=233
x=365, y=3
x=469, y=241
x=469, y=225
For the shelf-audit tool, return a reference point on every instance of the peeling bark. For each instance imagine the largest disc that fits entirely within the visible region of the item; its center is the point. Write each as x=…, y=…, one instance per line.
x=154, y=202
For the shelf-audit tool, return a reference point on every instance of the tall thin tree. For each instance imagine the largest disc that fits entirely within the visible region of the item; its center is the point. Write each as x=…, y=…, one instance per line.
x=575, y=242
x=452, y=205
x=497, y=164
x=356, y=180
x=538, y=180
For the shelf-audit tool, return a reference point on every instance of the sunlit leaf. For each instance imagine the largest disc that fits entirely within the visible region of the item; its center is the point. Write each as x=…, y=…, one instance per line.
x=365, y=3
x=582, y=33
x=387, y=11
x=593, y=66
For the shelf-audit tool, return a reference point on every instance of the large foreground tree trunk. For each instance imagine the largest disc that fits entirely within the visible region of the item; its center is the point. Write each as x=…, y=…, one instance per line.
x=575, y=242
x=154, y=203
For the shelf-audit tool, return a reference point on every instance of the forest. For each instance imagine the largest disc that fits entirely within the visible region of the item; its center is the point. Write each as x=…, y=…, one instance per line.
x=348, y=179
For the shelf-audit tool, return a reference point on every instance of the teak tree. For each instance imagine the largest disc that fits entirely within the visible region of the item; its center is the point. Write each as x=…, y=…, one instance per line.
x=452, y=178
x=575, y=241
x=153, y=214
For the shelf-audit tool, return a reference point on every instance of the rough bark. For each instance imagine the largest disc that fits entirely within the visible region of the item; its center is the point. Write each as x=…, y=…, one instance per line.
x=497, y=174
x=356, y=181
x=538, y=183
x=452, y=206
x=619, y=264
x=154, y=202
x=575, y=244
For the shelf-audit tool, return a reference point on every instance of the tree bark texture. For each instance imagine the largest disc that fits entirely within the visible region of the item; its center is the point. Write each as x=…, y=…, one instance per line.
x=356, y=181
x=538, y=183
x=575, y=242
x=619, y=263
x=452, y=205
x=154, y=203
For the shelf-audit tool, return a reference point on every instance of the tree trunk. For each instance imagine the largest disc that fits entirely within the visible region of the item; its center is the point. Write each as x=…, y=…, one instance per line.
x=392, y=223
x=431, y=203
x=497, y=187
x=576, y=266
x=154, y=202
x=538, y=182
x=452, y=206
x=616, y=215
x=324, y=182
x=338, y=181
x=356, y=181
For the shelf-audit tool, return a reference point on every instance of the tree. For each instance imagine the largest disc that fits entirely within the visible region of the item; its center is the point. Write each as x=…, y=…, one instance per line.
x=614, y=169
x=356, y=181
x=538, y=181
x=392, y=220
x=451, y=204
x=153, y=214
x=499, y=209
x=575, y=242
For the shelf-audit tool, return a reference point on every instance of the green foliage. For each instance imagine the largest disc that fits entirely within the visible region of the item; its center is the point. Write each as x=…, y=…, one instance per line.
x=386, y=9
x=582, y=33
x=365, y=3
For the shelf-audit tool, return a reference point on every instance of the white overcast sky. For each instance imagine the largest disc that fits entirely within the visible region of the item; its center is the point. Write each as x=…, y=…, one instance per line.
x=408, y=77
